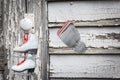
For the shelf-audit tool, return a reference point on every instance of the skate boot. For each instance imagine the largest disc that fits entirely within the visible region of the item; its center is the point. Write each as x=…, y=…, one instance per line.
x=25, y=64
x=32, y=43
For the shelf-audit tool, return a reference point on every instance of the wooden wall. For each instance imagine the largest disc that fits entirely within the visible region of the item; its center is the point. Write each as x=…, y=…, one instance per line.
x=83, y=10
x=85, y=66
x=13, y=12
x=99, y=26
x=1, y=28
x=1, y=44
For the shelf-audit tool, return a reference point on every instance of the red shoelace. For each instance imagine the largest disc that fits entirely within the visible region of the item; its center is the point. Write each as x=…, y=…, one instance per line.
x=24, y=41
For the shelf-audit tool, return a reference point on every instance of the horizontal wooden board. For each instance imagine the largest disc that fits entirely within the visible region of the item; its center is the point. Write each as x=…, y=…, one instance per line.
x=74, y=0
x=98, y=23
x=83, y=79
x=85, y=66
x=69, y=51
x=105, y=37
x=83, y=10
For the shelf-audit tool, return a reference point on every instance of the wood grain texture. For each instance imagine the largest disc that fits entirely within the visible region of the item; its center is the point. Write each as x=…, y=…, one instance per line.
x=84, y=66
x=1, y=28
x=39, y=9
x=13, y=12
x=34, y=7
x=78, y=11
x=1, y=39
x=1, y=75
x=72, y=0
x=83, y=79
x=93, y=37
x=91, y=51
x=95, y=23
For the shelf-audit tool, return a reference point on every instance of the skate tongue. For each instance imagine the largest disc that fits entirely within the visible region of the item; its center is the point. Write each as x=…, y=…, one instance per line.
x=21, y=62
x=25, y=39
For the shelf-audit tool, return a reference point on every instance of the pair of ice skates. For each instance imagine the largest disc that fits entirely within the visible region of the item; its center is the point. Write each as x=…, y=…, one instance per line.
x=30, y=43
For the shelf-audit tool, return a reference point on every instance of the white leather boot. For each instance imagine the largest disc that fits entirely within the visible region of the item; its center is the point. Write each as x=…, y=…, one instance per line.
x=25, y=64
x=32, y=43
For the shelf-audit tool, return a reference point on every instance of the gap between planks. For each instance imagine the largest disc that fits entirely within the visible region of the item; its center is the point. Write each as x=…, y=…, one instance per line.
x=88, y=51
x=96, y=23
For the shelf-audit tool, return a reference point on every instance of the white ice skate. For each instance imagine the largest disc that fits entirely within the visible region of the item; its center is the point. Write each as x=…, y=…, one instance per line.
x=32, y=43
x=25, y=64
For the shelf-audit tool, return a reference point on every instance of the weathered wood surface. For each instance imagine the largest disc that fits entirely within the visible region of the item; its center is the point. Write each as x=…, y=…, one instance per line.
x=69, y=51
x=96, y=23
x=1, y=40
x=72, y=0
x=39, y=9
x=1, y=28
x=2, y=59
x=92, y=37
x=98, y=40
x=77, y=10
x=45, y=35
x=83, y=79
x=84, y=66
x=34, y=7
x=13, y=12
x=1, y=75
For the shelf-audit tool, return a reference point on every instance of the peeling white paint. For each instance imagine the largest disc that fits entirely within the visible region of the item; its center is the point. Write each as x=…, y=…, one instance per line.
x=87, y=66
x=83, y=10
x=88, y=36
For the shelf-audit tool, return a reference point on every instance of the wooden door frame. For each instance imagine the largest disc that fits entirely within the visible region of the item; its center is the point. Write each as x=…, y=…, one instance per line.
x=39, y=9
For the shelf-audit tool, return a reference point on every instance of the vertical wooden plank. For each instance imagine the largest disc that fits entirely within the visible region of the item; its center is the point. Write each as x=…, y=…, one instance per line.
x=4, y=24
x=1, y=40
x=45, y=56
x=39, y=9
x=13, y=11
x=34, y=7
